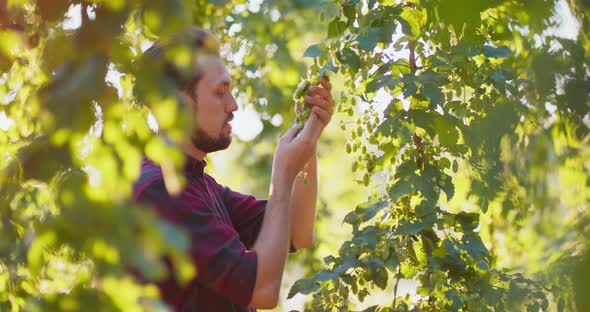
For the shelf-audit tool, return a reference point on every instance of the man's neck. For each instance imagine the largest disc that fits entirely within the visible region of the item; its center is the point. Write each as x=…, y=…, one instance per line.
x=194, y=152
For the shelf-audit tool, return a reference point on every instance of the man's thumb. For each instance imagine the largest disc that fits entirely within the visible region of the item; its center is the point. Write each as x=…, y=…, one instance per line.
x=291, y=133
x=312, y=128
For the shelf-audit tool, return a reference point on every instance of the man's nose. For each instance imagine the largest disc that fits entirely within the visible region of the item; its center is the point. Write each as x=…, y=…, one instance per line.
x=232, y=105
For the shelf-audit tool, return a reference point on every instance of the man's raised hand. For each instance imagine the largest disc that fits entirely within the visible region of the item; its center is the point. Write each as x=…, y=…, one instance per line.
x=322, y=101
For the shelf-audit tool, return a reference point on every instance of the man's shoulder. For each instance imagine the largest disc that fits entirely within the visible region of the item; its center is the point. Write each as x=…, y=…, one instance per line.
x=150, y=176
x=210, y=180
x=151, y=180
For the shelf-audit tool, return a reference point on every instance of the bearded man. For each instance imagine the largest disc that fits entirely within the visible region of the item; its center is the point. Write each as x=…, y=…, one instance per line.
x=238, y=244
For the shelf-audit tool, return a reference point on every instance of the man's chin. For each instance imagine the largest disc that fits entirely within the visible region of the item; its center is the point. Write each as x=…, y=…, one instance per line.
x=209, y=146
x=227, y=142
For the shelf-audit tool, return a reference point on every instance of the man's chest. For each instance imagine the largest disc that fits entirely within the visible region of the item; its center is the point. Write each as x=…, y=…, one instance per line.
x=211, y=197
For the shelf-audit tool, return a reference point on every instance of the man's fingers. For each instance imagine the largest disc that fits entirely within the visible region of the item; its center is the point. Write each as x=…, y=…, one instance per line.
x=326, y=84
x=322, y=114
x=324, y=93
x=320, y=102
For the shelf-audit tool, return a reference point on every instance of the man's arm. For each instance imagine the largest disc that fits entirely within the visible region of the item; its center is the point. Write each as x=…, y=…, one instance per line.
x=303, y=206
x=272, y=243
x=272, y=246
x=292, y=154
x=304, y=198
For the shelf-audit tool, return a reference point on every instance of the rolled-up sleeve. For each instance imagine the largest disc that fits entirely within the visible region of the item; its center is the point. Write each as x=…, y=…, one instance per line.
x=223, y=262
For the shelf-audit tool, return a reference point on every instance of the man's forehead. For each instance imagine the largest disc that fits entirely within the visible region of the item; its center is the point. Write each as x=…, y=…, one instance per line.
x=213, y=69
x=224, y=79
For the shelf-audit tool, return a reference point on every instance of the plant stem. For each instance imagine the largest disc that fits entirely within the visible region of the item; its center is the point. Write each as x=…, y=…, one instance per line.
x=397, y=278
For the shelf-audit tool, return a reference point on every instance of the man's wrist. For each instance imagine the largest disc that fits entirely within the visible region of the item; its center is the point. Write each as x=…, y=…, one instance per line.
x=312, y=159
x=281, y=185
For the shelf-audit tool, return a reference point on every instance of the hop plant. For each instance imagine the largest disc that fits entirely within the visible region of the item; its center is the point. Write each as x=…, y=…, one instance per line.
x=303, y=109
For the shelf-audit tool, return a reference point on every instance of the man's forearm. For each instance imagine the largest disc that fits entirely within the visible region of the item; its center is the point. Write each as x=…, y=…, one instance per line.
x=272, y=245
x=303, y=206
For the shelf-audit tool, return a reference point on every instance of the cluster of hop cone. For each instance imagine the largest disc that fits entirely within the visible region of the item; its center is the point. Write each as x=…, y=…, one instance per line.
x=303, y=109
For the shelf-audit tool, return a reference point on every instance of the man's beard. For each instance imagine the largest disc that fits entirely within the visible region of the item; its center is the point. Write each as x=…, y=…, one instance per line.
x=208, y=144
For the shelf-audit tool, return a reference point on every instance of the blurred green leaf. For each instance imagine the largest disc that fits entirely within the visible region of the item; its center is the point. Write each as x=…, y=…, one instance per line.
x=313, y=51
x=499, y=52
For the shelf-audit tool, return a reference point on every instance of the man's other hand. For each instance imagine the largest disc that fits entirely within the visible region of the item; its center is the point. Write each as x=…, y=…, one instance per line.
x=295, y=149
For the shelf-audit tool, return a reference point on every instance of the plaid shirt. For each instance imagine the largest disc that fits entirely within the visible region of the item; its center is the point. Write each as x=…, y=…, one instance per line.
x=223, y=226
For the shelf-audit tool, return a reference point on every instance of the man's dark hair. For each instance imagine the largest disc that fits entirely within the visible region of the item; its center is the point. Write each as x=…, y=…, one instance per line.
x=196, y=40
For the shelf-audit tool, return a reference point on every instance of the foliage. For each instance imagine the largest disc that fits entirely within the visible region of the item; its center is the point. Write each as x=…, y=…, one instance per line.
x=485, y=139
x=477, y=98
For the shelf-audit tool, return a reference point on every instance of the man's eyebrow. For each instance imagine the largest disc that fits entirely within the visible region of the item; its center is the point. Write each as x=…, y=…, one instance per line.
x=225, y=81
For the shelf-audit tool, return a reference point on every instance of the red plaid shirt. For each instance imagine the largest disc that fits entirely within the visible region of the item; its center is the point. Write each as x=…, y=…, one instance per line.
x=223, y=226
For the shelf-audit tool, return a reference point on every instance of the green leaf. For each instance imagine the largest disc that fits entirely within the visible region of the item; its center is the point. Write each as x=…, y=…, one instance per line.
x=448, y=135
x=392, y=263
x=434, y=93
x=350, y=2
x=330, y=67
x=500, y=52
x=577, y=93
x=353, y=218
x=336, y=28
x=449, y=188
x=381, y=278
x=468, y=14
x=474, y=246
x=328, y=11
x=303, y=286
x=363, y=293
x=219, y=3
x=410, y=88
x=313, y=51
x=453, y=297
x=368, y=210
x=408, y=228
x=39, y=249
x=406, y=27
x=437, y=62
x=400, y=189
x=409, y=270
x=412, y=21
x=368, y=39
x=386, y=32
x=381, y=81
x=349, y=57
x=348, y=263
x=431, y=77
x=349, y=11
x=325, y=276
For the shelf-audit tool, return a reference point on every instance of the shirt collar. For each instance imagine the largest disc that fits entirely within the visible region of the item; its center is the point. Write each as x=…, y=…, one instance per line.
x=194, y=166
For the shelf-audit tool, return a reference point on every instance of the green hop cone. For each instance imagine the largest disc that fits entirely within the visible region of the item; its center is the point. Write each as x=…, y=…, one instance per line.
x=301, y=89
x=303, y=110
x=303, y=115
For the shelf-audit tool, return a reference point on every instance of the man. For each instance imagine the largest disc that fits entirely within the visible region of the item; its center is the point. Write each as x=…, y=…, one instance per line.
x=239, y=245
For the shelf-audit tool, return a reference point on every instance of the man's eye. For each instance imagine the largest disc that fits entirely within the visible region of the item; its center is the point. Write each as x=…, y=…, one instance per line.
x=220, y=94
